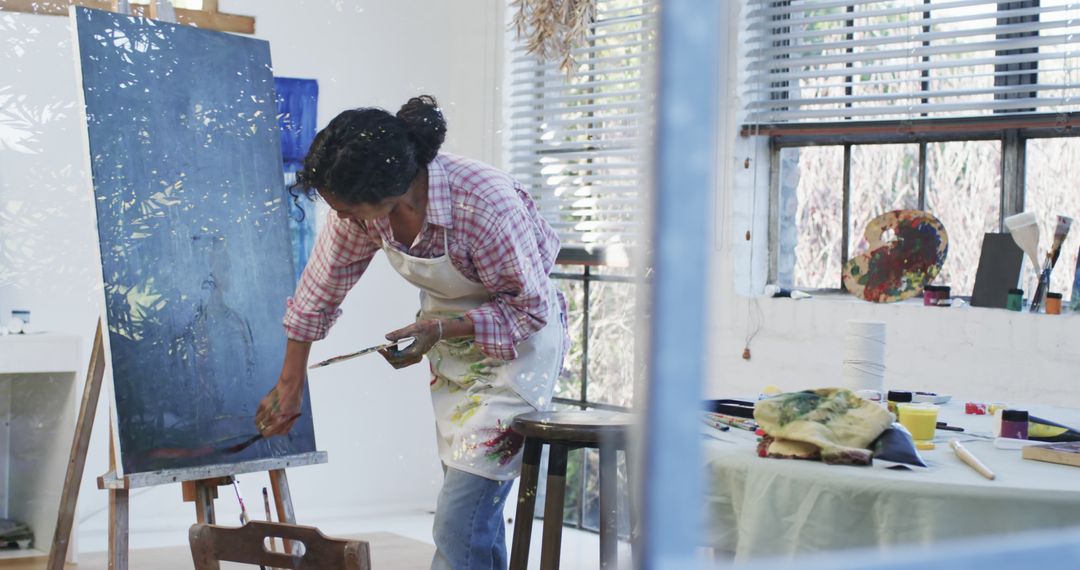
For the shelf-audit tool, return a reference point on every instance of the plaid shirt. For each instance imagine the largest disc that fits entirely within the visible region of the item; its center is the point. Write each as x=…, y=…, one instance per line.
x=496, y=238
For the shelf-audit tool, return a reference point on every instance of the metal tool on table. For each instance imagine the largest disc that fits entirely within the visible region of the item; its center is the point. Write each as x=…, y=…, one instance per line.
x=360, y=353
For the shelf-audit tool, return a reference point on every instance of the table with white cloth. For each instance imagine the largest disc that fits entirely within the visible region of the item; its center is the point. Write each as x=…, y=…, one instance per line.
x=759, y=506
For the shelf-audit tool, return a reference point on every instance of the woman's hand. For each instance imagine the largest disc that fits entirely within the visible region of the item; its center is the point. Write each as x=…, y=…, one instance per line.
x=279, y=408
x=426, y=332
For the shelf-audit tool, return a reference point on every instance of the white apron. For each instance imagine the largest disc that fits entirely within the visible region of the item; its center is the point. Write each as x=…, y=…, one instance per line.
x=476, y=397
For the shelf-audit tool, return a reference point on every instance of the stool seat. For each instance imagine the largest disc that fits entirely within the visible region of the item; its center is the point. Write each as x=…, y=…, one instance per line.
x=589, y=429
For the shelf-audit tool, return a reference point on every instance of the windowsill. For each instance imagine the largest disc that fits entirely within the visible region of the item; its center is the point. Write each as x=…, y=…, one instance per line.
x=835, y=296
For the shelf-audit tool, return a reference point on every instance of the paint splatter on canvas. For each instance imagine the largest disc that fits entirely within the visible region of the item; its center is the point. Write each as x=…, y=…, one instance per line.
x=906, y=251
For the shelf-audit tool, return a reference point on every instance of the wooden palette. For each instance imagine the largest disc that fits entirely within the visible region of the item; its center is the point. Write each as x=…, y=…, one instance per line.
x=898, y=268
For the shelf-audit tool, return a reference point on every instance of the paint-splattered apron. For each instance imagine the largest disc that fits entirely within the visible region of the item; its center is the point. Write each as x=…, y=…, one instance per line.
x=476, y=397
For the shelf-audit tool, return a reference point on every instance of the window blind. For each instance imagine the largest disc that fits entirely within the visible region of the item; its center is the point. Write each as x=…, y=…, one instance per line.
x=835, y=60
x=576, y=141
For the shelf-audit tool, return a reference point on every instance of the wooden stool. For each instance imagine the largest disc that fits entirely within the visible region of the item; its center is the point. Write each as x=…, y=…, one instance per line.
x=562, y=432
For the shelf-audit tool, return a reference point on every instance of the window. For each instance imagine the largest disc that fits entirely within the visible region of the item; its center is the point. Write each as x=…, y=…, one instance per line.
x=575, y=138
x=576, y=142
x=965, y=108
x=1053, y=166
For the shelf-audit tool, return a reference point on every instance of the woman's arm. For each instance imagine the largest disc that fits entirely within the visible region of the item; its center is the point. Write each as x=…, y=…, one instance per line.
x=340, y=257
x=341, y=254
x=511, y=267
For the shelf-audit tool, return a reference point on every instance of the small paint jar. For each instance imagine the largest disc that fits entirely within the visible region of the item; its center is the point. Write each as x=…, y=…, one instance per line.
x=919, y=419
x=1014, y=424
x=896, y=397
x=1053, y=303
x=936, y=295
x=1016, y=300
x=930, y=295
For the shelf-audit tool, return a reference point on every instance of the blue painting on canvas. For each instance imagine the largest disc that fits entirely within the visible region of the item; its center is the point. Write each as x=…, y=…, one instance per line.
x=194, y=235
x=297, y=103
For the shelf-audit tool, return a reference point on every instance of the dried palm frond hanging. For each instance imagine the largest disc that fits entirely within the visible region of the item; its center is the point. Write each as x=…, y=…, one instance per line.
x=553, y=28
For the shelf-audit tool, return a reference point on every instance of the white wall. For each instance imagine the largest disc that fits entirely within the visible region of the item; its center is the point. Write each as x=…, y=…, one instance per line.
x=974, y=353
x=375, y=423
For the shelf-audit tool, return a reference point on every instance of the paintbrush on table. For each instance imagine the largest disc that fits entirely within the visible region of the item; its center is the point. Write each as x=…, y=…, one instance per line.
x=1061, y=231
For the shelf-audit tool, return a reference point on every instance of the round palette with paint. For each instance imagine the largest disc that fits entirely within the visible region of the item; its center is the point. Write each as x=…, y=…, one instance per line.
x=930, y=397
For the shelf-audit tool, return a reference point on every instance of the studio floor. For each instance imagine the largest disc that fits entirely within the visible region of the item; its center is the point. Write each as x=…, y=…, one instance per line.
x=398, y=542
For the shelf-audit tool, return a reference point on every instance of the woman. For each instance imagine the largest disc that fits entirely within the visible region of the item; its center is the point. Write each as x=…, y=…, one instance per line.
x=491, y=321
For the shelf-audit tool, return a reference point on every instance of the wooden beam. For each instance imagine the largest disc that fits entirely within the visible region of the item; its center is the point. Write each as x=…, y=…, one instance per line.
x=51, y=7
x=206, y=19
x=153, y=478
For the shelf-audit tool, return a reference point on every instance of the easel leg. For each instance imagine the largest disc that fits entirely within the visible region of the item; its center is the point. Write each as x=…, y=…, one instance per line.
x=204, y=503
x=118, y=514
x=118, y=529
x=283, y=501
x=87, y=409
x=202, y=492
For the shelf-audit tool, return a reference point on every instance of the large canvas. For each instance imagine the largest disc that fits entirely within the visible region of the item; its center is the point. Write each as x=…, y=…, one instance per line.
x=185, y=154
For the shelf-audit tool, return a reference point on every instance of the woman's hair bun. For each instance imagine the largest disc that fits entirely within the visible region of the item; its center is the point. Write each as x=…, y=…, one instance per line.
x=427, y=126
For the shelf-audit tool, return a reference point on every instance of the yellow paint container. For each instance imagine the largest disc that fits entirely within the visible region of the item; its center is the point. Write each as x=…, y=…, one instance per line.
x=920, y=420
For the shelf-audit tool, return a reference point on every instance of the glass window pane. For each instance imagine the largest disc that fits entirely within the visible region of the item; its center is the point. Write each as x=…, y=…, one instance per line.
x=963, y=84
x=569, y=382
x=1052, y=168
x=811, y=216
x=572, y=500
x=612, y=312
x=883, y=178
x=884, y=63
x=963, y=189
x=591, y=501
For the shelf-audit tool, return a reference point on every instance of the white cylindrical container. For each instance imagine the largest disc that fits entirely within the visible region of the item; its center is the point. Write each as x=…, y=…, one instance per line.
x=864, y=357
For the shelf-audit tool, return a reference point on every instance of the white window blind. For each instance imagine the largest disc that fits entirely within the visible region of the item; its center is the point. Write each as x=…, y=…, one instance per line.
x=576, y=140
x=834, y=60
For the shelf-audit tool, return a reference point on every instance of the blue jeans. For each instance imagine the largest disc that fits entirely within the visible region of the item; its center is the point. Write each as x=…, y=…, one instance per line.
x=470, y=533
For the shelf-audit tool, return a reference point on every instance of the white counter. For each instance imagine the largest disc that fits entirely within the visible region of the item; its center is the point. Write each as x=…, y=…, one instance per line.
x=38, y=409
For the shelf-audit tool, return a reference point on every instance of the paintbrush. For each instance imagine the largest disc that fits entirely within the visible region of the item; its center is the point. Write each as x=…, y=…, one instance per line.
x=1061, y=231
x=359, y=353
x=227, y=446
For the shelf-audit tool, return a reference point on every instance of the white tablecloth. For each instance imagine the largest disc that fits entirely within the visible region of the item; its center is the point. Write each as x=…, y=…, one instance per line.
x=779, y=507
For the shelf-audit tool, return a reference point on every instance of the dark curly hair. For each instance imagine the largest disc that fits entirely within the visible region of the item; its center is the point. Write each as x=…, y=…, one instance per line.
x=367, y=155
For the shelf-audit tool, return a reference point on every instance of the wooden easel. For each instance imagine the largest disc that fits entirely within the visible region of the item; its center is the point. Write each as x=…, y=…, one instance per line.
x=199, y=484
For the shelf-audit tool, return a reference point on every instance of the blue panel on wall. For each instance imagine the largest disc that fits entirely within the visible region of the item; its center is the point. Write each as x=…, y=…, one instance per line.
x=194, y=234
x=297, y=100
